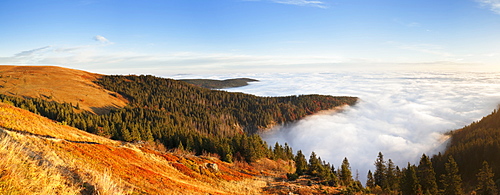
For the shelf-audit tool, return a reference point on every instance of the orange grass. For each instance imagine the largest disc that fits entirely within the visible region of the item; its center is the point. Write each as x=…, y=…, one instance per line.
x=111, y=167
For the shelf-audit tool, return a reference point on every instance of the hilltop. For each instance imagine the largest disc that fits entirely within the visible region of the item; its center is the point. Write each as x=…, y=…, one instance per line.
x=59, y=84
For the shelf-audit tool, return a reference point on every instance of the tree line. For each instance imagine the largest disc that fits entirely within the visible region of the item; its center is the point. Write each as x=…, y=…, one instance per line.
x=177, y=114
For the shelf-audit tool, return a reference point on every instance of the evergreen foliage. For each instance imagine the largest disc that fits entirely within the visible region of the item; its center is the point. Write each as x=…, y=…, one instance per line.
x=380, y=170
x=370, y=182
x=300, y=163
x=409, y=183
x=427, y=176
x=452, y=183
x=471, y=146
x=486, y=184
x=391, y=175
x=345, y=173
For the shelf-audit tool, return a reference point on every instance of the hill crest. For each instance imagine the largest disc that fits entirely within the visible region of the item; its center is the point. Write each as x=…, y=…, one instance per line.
x=59, y=84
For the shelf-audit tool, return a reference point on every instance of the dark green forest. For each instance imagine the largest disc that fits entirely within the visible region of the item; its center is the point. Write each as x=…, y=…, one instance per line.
x=219, y=84
x=179, y=115
x=473, y=145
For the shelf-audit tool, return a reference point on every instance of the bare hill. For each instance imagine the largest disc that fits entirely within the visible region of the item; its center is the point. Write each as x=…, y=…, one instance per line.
x=58, y=84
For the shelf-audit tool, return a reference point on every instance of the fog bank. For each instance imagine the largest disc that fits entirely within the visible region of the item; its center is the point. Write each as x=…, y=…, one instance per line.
x=401, y=115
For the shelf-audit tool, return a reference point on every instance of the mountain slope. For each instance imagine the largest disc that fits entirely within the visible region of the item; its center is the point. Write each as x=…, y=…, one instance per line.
x=471, y=145
x=58, y=84
x=39, y=156
x=166, y=111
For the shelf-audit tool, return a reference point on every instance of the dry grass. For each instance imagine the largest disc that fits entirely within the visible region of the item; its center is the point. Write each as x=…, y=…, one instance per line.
x=60, y=85
x=55, y=158
x=20, y=120
x=22, y=173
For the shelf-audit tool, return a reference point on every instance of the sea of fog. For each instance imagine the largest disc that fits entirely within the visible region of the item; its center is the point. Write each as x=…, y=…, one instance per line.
x=402, y=115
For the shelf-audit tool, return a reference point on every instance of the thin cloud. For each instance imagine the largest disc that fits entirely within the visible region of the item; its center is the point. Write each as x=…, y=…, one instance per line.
x=493, y=5
x=31, y=52
x=102, y=39
x=310, y=3
x=318, y=4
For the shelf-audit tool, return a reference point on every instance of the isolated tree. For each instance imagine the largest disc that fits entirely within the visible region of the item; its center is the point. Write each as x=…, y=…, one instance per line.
x=452, y=182
x=409, y=182
x=427, y=176
x=486, y=184
x=380, y=170
x=345, y=173
x=370, y=182
x=300, y=163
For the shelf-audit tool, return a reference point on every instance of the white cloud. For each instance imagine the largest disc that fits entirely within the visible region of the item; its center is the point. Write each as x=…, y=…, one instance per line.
x=493, y=5
x=319, y=4
x=102, y=39
x=400, y=114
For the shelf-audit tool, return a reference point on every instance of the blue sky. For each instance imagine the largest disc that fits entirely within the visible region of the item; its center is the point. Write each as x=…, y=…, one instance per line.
x=222, y=36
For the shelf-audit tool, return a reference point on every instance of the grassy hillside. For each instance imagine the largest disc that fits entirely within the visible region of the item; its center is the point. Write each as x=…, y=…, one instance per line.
x=39, y=156
x=58, y=84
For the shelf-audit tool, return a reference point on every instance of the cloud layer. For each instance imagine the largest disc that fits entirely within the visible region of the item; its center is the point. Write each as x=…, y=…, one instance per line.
x=402, y=115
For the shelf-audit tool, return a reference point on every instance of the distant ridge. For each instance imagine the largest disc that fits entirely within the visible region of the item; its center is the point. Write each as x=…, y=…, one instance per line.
x=220, y=84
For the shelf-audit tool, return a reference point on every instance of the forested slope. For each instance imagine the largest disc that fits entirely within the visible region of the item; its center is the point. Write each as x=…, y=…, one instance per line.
x=471, y=146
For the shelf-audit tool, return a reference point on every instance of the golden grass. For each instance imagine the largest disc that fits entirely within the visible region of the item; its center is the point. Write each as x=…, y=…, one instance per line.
x=58, y=84
x=24, y=121
x=47, y=157
x=22, y=173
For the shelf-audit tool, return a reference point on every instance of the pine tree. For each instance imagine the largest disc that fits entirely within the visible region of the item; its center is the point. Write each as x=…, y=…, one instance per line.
x=427, y=176
x=314, y=165
x=380, y=170
x=300, y=163
x=391, y=176
x=409, y=182
x=451, y=180
x=370, y=182
x=345, y=173
x=486, y=184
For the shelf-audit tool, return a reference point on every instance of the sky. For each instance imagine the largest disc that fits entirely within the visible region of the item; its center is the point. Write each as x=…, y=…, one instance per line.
x=229, y=36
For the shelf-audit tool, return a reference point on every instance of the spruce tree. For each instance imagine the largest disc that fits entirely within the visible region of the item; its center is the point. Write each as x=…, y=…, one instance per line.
x=314, y=165
x=427, y=176
x=486, y=184
x=380, y=170
x=370, y=182
x=409, y=182
x=345, y=173
x=300, y=163
x=452, y=182
x=391, y=176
